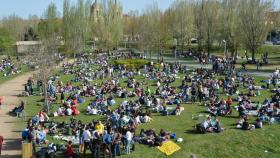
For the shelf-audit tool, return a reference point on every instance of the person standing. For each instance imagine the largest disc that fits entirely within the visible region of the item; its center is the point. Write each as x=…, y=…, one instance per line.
x=1, y=102
x=128, y=139
x=117, y=139
x=1, y=143
x=87, y=139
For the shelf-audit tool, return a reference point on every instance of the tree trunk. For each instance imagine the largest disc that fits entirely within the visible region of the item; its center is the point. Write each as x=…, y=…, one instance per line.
x=46, y=98
x=253, y=55
x=208, y=50
x=182, y=48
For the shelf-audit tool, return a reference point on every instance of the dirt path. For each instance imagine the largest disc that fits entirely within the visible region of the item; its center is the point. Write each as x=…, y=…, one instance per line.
x=8, y=124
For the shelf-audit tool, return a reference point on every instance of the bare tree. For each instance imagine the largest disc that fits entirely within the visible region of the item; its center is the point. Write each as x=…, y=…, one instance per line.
x=48, y=49
x=253, y=23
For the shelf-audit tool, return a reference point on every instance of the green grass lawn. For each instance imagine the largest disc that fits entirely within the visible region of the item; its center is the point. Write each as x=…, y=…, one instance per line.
x=3, y=78
x=230, y=143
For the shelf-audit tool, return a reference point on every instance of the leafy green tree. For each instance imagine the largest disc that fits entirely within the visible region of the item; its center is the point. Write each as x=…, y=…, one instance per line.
x=108, y=29
x=182, y=22
x=7, y=41
x=253, y=23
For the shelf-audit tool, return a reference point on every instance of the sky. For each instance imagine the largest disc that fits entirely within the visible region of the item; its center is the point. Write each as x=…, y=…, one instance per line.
x=24, y=8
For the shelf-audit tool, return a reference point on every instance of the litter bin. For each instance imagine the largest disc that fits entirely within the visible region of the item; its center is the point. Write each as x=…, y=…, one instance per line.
x=26, y=150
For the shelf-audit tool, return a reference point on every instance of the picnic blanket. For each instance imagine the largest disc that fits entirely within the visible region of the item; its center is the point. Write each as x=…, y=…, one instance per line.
x=67, y=138
x=169, y=148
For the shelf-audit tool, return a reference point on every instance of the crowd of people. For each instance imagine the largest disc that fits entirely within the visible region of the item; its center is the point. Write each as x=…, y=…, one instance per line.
x=8, y=67
x=126, y=99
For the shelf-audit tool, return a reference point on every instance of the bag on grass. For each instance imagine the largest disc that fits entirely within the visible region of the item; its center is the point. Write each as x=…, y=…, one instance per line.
x=173, y=136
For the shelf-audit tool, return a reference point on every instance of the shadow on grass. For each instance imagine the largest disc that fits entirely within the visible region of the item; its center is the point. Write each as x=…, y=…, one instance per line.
x=193, y=131
x=230, y=116
x=12, y=144
x=10, y=156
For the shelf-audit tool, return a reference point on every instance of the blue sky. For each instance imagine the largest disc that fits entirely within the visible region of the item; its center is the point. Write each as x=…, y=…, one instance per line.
x=24, y=8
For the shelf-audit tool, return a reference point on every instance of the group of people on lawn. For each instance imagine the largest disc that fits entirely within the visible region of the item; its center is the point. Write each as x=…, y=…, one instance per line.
x=8, y=67
x=140, y=100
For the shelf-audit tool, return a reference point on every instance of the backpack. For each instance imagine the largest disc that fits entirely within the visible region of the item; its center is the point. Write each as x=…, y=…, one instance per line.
x=108, y=139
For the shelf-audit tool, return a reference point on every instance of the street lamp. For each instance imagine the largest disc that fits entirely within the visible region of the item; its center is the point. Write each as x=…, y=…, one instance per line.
x=225, y=51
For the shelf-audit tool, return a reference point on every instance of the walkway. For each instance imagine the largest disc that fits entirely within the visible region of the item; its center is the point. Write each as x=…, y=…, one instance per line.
x=195, y=64
x=9, y=127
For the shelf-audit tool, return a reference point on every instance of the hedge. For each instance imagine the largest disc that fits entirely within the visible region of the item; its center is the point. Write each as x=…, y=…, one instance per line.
x=132, y=63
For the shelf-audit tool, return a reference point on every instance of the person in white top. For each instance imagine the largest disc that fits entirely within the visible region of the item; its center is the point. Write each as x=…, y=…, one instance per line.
x=87, y=137
x=158, y=84
x=69, y=111
x=128, y=139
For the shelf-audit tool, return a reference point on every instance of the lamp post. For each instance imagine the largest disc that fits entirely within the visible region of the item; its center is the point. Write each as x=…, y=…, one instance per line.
x=225, y=51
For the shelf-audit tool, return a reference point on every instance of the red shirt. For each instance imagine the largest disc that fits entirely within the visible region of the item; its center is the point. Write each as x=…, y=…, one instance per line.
x=1, y=140
x=1, y=100
x=69, y=150
x=229, y=101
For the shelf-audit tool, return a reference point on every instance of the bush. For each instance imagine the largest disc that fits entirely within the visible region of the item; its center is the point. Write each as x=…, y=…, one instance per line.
x=132, y=63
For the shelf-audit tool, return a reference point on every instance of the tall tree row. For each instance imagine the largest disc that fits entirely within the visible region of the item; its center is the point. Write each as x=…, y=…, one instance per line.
x=239, y=23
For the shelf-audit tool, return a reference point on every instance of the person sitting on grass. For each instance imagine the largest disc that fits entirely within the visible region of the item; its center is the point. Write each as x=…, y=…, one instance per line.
x=178, y=110
x=258, y=123
x=244, y=124
x=18, y=109
x=209, y=125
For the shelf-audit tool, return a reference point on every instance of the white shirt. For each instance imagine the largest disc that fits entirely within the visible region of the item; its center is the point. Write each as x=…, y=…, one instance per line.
x=69, y=111
x=128, y=135
x=86, y=135
x=149, y=103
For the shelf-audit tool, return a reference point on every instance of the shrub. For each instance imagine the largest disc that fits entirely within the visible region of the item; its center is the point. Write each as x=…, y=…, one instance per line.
x=132, y=63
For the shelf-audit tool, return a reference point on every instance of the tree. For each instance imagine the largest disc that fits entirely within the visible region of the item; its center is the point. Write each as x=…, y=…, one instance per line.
x=229, y=25
x=151, y=31
x=131, y=26
x=46, y=53
x=15, y=25
x=108, y=29
x=210, y=13
x=7, y=41
x=182, y=22
x=206, y=22
x=253, y=23
x=50, y=26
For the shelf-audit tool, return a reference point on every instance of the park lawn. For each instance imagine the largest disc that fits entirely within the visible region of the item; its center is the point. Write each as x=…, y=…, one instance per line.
x=3, y=78
x=230, y=143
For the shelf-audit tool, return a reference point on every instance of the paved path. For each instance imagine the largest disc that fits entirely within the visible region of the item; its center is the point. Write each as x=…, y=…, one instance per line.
x=194, y=64
x=8, y=124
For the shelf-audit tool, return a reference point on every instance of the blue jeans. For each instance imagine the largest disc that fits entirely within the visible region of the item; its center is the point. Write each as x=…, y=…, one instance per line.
x=117, y=150
x=127, y=146
x=186, y=99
